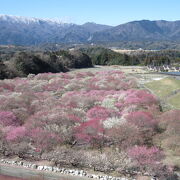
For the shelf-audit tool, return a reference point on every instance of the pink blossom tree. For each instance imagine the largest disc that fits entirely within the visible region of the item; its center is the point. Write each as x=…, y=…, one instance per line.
x=145, y=123
x=16, y=133
x=98, y=112
x=91, y=132
x=7, y=118
x=142, y=119
x=44, y=140
x=146, y=158
x=124, y=136
x=169, y=125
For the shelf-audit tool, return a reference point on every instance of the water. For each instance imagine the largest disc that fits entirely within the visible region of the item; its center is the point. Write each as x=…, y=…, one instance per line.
x=172, y=73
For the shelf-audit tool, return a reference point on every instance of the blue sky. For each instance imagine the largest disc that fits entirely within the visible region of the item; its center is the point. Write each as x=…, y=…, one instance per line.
x=112, y=12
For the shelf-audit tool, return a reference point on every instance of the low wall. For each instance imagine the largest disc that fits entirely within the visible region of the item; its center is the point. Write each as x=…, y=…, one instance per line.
x=71, y=172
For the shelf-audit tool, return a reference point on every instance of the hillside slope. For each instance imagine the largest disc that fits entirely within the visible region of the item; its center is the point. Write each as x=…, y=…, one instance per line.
x=32, y=31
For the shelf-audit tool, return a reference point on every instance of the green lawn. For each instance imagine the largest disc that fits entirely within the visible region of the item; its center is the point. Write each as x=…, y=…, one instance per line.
x=175, y=101
x=164, y=89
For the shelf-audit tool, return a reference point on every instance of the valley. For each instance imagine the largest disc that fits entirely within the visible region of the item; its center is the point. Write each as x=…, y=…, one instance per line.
x=84, y=100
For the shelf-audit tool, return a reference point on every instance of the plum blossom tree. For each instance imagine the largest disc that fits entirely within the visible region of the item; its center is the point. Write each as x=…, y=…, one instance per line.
x=145, y=123
x=49, y=112
x=140, y=97
x=124, y=136
x=98, y=112
x=15, y=134
x=170, y=131
x=142, y=119
x=145, y=157
x=91, y=132
x=7, y=118
x=6, y=86
x=44, y=140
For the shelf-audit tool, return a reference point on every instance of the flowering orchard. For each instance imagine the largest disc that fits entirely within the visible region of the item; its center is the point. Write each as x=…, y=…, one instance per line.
x=78, y=110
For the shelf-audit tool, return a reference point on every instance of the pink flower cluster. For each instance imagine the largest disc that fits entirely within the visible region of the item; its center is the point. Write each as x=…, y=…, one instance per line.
x=145, y=156
x=50, y=109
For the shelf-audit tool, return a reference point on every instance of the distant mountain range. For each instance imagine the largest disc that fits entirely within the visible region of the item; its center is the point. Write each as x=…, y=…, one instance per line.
x=33, y=31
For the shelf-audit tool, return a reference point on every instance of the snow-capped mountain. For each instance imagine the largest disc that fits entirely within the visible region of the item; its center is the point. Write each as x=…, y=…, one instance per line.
x=30, y=20
x=33, y=31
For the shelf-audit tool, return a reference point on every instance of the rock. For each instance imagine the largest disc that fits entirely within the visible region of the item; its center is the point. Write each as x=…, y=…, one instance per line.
x=49, y=168
x=12, y=162
x=76, y=173
x=40, y=168
x=34, y=166
x=84, y=173
x=24, y=165
x=55, y=169
x=20, y=163
x=89, y=176
x=95, y=176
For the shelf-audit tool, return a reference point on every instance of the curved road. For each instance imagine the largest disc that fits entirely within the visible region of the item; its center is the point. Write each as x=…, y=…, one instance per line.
x=21, y=172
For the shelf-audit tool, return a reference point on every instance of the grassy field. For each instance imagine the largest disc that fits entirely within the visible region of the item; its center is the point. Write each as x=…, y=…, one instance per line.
x=175, y=100
x=166, y=89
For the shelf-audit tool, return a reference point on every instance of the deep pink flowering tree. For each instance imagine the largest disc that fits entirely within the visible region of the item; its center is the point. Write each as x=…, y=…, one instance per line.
x=124, y=136
x=98, y=112
x=142, y=119
x=91, y=132
x=143, y=155
x=147, y=159
x=140, y=97
x=16, y=133
x=44, y=140
x=146, y=124
x=8, y=118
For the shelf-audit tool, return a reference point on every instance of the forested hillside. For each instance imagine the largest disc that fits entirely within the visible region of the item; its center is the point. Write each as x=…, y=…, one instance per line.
x=23, y=63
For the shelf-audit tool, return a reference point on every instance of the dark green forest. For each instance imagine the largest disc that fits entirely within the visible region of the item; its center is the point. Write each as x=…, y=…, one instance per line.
x=20, y=61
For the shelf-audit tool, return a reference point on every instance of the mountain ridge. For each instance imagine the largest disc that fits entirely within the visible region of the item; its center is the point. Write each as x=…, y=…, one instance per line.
x=17, y=30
